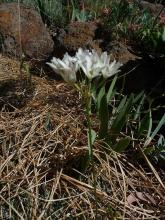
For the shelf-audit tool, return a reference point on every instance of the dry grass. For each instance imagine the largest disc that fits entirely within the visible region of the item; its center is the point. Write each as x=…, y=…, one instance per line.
x=41, y=143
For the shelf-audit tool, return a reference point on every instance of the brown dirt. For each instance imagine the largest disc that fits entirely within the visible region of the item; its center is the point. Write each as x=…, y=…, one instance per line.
x=44, y=95
x=43, y=138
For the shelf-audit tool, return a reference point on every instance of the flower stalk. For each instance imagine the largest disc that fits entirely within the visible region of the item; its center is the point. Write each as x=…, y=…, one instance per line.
x=92, y=69
x=89, y=123
x=90, y=141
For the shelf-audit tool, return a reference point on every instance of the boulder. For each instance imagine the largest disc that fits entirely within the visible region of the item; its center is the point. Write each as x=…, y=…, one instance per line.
x=153, y=8
x=24, y=32
x=76, y=34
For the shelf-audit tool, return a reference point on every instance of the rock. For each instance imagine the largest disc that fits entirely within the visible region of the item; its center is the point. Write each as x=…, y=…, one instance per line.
x=25, y=34
x=120, y=52
x=153, y=8
x=77, y=34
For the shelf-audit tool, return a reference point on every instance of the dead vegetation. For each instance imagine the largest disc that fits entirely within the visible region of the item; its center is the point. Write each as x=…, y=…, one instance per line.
x=42, y=142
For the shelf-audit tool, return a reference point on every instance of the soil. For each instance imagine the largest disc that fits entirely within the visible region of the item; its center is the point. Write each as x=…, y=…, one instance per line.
x=47, y=116
x=22, y=100
x=15, y=85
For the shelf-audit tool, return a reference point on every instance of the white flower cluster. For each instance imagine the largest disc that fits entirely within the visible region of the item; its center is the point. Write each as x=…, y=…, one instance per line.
x=90, y=62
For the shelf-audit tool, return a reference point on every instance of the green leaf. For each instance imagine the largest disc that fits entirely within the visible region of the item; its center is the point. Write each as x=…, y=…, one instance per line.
x=145, y=125
x=122, y=145
x=104, y=117
x=111, y=89
x=137, y=113
x=100, y=96
x=122, y=116
x=140, y=95
x=150, y=124
x=93, y=134
x=161, y=123
x=122, y=103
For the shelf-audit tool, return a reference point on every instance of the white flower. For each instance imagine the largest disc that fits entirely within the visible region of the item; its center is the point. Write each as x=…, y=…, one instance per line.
x=67, y=67
x=104, y=59
x=94, y=65
x=111, y=69
x=108, y=68
x=89, y=63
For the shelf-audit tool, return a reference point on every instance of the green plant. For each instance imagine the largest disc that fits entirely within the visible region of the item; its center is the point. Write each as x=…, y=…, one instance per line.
x=114, y=116
x=93, y=70
x=97, y=7
x=81, y=15
x=143, y=30
x=52, y=11
x=125, y=119
x=158, y=152
x=120, y=11
x=120, y=118
x=146, y=31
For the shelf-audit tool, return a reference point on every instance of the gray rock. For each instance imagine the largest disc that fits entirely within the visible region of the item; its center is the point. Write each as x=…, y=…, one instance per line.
x=153, y=8
x=24, y=32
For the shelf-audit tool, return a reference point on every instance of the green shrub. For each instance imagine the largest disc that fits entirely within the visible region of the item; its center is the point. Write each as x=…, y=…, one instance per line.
x=53, y=12
x=143, y=30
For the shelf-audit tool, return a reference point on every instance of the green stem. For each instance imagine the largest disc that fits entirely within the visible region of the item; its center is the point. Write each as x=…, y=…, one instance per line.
x=88, y=113
x=90, y=144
